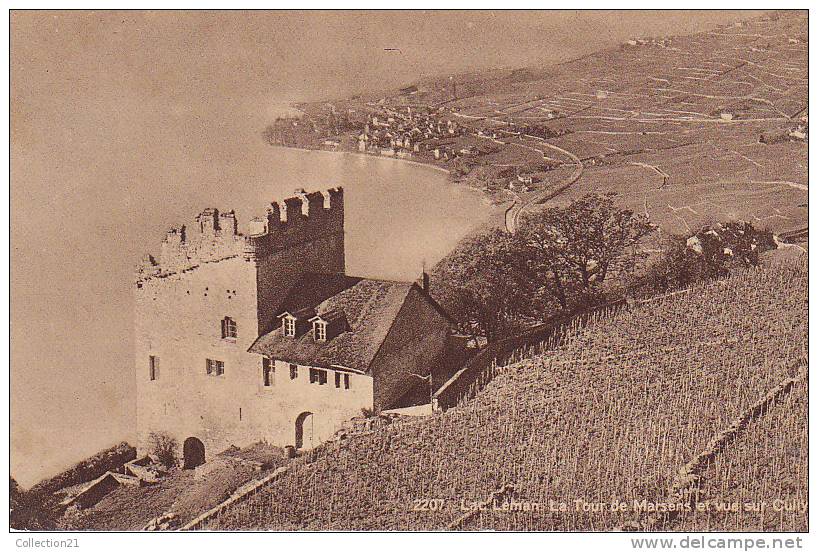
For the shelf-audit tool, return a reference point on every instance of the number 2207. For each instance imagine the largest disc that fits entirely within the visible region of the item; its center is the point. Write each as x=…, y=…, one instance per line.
x=428, y=504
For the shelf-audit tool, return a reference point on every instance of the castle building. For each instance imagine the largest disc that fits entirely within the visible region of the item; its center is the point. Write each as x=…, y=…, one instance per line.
x=262, y=337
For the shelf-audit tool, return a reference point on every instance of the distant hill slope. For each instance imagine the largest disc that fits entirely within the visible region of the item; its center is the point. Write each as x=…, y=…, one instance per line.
x=610, y=415
x=691, y=129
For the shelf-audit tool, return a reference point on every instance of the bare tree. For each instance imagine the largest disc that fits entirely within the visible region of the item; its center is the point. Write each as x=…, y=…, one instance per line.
x=572, y=250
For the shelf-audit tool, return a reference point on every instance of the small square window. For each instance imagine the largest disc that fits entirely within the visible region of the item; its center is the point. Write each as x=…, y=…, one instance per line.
x=153, y=367
x=214, y=367
x=268, y=372
x=229, y=328
x=318, y=376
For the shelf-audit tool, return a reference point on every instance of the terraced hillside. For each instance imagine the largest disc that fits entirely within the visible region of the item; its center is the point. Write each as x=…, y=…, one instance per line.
x=691, y=129
x=612, y=414
x=769, y=460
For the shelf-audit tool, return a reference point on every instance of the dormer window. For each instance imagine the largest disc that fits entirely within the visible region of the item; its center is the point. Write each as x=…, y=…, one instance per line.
x=294, y=323
x=288, y=326
x=319, y=328
x=229, y=329
x=328, y=325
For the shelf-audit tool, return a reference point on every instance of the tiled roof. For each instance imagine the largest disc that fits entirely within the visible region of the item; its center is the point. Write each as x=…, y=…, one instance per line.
x=369, y=307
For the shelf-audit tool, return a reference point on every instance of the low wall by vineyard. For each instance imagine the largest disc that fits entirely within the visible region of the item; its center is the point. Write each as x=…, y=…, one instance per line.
x=481, y=369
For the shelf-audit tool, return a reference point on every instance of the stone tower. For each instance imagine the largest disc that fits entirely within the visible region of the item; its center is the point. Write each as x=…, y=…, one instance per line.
x=205, y=301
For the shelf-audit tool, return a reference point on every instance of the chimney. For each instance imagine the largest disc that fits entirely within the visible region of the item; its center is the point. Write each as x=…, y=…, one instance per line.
x=423, y=281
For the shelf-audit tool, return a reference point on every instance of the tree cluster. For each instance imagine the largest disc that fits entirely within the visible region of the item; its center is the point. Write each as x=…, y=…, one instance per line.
x=559, y=260
x=714, y=251
x=573, y=258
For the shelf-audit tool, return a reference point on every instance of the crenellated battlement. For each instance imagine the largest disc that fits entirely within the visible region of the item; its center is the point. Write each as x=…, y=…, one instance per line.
x=314, y=206
x=299, y=219
x=214, y=235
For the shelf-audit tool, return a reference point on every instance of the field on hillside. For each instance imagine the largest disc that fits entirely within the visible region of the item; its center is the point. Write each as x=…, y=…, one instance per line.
x=675, y=124
x=186, y=493
x=764, y=471
x=611, y=415
x=693, y=130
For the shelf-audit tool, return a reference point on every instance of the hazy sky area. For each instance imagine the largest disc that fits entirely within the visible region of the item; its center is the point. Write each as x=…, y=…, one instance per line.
x=122, y=122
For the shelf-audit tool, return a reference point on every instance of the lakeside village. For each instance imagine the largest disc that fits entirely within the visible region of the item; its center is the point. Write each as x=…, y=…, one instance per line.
x=495, y=153
x=425, y=133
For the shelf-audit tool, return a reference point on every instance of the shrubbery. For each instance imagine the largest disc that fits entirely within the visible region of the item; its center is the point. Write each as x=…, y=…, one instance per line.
x=571, y=252
x=484, y=285
x=29, y=511
x=38, y=508
x=164, y=448
x=560, y=259
x=711, y=252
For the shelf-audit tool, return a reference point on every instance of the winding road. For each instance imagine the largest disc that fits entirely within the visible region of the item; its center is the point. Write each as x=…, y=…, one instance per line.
x=521, y=206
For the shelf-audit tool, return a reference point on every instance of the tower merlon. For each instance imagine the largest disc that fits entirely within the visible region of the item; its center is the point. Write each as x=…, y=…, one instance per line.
x=298, y=219
x=228, y=224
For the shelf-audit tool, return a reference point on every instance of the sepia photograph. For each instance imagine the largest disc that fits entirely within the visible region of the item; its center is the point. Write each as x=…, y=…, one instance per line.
x=425, y=270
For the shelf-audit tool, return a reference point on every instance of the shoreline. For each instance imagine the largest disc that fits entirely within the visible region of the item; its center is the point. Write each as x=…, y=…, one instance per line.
x=366, y=155
x=498, y=210
x=485, y=197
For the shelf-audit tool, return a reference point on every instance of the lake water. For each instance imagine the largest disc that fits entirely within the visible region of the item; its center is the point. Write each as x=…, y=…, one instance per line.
x=78, y=321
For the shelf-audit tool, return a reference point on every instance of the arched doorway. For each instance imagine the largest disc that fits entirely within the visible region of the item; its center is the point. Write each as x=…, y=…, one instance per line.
x=304, y=430
x=194, y=453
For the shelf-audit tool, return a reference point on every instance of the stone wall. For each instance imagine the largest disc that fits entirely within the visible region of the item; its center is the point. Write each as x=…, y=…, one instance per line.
x=208, y=271
x=178, y=321
x=314, y=221
x=330, y=406
x=278, y=270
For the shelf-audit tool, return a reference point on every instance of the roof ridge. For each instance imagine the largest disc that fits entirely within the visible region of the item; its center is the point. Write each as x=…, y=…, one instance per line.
x=367, y=278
